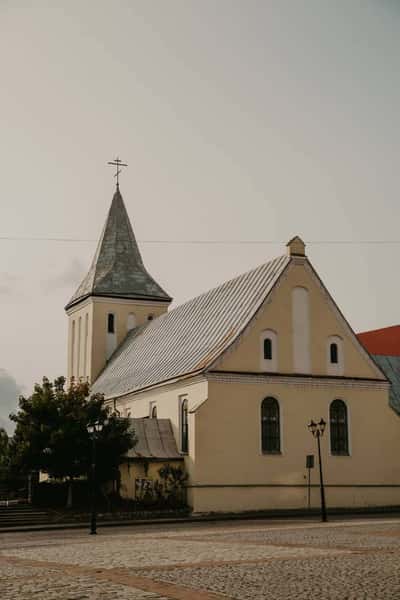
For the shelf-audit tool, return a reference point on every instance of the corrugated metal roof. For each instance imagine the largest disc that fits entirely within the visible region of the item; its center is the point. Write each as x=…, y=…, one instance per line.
x=390, y=365
x=117, y=269
x=190, y=337
x=155, y=439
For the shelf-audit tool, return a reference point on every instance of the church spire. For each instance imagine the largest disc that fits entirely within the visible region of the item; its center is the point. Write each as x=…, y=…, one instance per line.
x=117, y=270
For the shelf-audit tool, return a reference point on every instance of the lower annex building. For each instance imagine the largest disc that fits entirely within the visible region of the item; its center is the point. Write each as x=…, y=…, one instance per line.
x=227, y=382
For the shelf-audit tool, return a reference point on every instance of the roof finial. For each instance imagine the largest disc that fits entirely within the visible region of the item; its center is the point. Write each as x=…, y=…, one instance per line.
x=117, y=163
x=296, y=247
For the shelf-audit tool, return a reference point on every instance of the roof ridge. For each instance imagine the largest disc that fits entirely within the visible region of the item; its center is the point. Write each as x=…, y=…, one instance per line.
x=190, y=337
x=221, y=285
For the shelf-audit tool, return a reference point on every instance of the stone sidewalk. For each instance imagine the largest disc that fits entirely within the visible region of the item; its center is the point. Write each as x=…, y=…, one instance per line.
x=243, y=560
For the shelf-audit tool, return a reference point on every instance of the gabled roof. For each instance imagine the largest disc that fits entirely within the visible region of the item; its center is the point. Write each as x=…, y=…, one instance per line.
x=189, y=338
x=117, y=270
x=155, y=440
x=385, y=341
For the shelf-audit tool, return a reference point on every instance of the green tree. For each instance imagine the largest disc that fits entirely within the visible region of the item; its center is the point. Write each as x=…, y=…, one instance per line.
x=51, y=433
x=4, y=450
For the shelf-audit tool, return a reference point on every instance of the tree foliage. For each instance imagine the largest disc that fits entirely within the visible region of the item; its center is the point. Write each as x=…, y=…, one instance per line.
x=51, y=432
x=4, y=449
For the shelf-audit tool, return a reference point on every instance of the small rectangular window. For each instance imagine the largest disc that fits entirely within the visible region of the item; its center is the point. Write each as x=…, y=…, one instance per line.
x=267, y=349
x=110, y=323
x=334, y=354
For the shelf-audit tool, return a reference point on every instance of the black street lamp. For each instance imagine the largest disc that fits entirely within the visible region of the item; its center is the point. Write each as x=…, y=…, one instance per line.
x=317, y=429
x=93, y=430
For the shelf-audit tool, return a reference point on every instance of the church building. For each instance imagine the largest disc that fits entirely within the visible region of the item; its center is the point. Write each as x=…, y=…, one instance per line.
x=234, y=376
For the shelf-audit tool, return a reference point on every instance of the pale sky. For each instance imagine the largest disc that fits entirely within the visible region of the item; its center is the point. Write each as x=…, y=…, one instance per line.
x=240, y=120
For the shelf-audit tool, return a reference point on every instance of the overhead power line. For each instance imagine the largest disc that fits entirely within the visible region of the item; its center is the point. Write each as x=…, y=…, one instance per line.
x=200, y=242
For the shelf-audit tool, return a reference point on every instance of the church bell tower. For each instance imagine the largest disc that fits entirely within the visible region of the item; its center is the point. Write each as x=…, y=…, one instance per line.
x=116, y=296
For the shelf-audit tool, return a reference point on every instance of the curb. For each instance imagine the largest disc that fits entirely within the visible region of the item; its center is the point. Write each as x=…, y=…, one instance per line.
x=273, y=515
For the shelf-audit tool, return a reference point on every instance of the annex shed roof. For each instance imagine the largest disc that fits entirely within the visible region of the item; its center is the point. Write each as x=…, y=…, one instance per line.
x=117, y=269
x=155, y=440
x=187, y=339
x=390, y=365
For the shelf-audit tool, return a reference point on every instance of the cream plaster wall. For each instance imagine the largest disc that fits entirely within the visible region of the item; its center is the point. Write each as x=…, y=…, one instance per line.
x=227, y=470
x=228, y=431
x=228, y=499
x=167, y=399
x=276, y=314
x=97, y=310
x=77, y=347
x=136, y=469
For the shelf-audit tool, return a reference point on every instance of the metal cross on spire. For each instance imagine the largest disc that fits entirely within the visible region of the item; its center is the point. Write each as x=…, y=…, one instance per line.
x=117, y=163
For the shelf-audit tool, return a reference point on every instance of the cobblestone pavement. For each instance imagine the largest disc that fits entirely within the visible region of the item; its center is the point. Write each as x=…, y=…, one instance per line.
x=354, y=560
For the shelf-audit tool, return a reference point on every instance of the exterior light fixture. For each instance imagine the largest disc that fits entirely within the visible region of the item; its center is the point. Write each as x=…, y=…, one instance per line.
x=93, y=430
x=317, y=430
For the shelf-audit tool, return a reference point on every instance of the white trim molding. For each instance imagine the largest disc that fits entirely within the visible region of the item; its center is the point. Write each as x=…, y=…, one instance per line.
x=299, y=381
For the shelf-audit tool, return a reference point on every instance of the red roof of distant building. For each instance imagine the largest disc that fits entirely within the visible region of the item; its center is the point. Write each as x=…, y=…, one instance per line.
x=382, y=341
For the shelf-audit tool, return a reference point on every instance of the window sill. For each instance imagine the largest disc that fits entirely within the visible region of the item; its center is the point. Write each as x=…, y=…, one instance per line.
x=272, y=453
x=343, y=454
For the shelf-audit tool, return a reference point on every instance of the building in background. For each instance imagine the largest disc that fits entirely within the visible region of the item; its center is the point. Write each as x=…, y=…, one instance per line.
x=384, y=346
x=239, y=372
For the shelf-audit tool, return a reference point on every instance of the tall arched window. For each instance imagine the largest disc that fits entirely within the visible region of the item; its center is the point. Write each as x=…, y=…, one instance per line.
x=339, y=428
x=111, y=340
x=72, y=368
x=270, y=426
x=154, y=412
x=301, y=330
x=184, y=427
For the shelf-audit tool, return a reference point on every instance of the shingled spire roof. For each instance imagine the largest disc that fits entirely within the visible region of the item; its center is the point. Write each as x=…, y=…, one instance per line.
x=117, y=269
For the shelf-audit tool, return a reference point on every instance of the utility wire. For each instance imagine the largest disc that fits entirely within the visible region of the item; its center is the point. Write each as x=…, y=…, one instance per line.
x=201, y=242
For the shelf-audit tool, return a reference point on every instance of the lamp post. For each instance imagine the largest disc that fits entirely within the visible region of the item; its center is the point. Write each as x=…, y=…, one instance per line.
x=317, y=430
x=93, y=430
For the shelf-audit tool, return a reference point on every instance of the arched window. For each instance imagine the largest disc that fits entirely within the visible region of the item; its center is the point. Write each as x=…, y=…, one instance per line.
x=267, y=349
x=131, y=321
x=334, y=355
x=339, y=428
x=110, y=323
x=111, y=341
x=270, y=426
x=184, y=427
x=154, y=412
